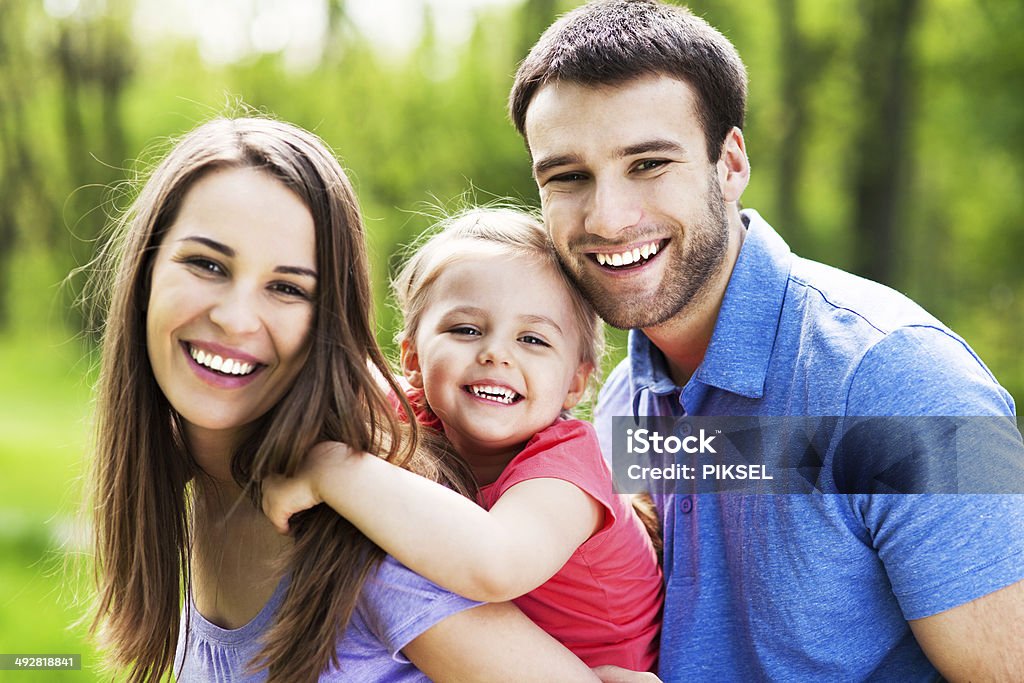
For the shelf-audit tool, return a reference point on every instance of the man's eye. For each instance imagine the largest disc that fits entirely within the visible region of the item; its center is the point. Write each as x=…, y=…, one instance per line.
x=651, y=164
x=571, y=177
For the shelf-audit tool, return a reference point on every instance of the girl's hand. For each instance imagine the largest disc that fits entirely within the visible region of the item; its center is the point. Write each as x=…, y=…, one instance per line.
x=615, y=674
x=286, y=496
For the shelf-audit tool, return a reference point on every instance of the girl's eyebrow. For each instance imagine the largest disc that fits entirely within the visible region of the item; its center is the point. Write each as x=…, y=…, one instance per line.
x=466, y=310
x=542, y=320
x=222, y=248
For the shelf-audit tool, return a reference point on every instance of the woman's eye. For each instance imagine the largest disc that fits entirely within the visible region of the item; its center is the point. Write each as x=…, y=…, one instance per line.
x=290, y=290
x=204, y=264
x=533, y=340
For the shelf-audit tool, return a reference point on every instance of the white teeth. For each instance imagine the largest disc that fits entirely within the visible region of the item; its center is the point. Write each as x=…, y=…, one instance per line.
x=629, y=256
x=492, y=393
x=227, y=366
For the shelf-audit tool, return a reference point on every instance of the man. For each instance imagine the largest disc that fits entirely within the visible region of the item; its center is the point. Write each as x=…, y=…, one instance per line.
x=633, y=114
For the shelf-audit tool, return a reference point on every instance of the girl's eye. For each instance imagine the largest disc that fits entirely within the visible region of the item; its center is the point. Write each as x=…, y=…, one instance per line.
x=465, y=330
x=533, y=340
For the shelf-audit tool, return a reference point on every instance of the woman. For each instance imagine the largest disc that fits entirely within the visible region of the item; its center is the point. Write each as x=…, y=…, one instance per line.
x=237, y=335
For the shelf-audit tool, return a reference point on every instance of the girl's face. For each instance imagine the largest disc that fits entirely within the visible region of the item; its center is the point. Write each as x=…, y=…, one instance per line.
x=497, y=353
x=231, y=301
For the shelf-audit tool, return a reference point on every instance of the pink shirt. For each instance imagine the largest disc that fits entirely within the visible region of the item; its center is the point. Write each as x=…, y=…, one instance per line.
x=604, y=604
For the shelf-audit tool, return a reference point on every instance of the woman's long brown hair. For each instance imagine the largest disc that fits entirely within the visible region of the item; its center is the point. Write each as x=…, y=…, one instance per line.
x=143, y=471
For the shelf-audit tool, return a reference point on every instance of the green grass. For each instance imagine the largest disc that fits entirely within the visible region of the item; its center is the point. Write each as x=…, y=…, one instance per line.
x=44, y=408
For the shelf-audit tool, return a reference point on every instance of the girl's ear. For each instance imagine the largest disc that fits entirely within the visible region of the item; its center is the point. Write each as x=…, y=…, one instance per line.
x=411, y=365
x=578, y=385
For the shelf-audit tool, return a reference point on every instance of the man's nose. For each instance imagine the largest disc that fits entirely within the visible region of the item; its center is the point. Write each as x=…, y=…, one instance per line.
x=614, y=207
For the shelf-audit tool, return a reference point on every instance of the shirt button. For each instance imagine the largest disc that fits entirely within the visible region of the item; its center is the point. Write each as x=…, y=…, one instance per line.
x=686, y=505
x=685, y=429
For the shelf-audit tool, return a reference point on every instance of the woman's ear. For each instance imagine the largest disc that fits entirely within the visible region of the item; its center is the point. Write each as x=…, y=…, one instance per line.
x=578, y=385
x=411, y=365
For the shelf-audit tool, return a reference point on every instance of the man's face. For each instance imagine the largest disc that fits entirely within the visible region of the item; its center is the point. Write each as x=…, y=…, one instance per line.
x=633, y=205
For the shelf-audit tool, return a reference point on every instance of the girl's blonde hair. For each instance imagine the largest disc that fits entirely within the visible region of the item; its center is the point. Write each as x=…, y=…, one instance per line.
x=488, y=231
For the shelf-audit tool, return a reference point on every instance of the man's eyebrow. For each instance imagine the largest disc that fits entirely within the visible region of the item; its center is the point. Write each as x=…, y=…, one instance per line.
x=222, y=248
x=542, y=165
x=646, y=147
x=655, y=145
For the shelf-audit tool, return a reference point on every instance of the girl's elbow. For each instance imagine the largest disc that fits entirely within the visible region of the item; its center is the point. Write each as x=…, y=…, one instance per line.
x=493, y=585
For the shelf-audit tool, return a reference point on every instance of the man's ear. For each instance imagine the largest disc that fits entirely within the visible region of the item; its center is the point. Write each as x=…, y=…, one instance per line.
x=411, y=365
x=578, y=385
x=733, y=166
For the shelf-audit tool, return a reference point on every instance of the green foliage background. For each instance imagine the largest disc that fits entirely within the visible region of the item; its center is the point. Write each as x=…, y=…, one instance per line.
x=84, y=108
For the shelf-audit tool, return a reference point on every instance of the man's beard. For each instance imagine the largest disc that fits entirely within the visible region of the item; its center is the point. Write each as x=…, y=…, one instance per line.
x=693, y=264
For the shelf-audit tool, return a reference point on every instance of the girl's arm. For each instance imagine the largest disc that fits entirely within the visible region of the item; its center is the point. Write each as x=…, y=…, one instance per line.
x=493, y=642
x=491, y=556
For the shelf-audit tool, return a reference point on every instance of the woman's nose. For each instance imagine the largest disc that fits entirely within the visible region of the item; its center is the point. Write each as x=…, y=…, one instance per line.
x=237, y=312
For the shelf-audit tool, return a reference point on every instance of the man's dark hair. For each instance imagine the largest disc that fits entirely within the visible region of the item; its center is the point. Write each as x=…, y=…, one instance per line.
x=610, y=42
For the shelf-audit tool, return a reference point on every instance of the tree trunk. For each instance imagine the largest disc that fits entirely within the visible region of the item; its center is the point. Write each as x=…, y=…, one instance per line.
x=880, y=176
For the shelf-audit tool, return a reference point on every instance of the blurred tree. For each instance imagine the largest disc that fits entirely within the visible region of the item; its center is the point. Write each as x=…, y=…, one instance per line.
x=804, y=59
x=24, y=202
x=93, y=55
x=881, y=168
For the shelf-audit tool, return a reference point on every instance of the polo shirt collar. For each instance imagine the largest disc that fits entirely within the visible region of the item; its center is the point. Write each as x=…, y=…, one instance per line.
x=740, y=351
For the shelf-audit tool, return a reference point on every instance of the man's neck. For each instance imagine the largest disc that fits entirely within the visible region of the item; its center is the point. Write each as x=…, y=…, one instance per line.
x=684, y=339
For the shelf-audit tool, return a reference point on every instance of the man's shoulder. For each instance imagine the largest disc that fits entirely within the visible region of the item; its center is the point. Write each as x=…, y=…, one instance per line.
x=888, y=353
x=615, y=391
x=832, y=292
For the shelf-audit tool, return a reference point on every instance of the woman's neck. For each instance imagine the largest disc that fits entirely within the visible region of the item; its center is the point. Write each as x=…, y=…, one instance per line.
x=235, y=554
x=212, y=450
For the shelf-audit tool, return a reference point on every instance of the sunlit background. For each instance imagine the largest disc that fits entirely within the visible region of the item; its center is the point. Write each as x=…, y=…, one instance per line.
x=885, y=137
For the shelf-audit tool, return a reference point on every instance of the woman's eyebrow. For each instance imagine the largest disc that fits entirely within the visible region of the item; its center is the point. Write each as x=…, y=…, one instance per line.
x=222, y=248
x=296, y=270
x=212, y=244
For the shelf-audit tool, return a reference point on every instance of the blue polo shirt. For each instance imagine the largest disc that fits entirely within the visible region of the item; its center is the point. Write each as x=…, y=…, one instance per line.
x=808, y=587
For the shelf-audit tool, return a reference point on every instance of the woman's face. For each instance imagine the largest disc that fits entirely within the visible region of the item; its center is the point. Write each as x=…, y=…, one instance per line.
x=231, y=301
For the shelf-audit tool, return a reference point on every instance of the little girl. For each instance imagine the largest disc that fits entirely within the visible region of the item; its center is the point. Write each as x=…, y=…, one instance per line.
x=497, y=347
